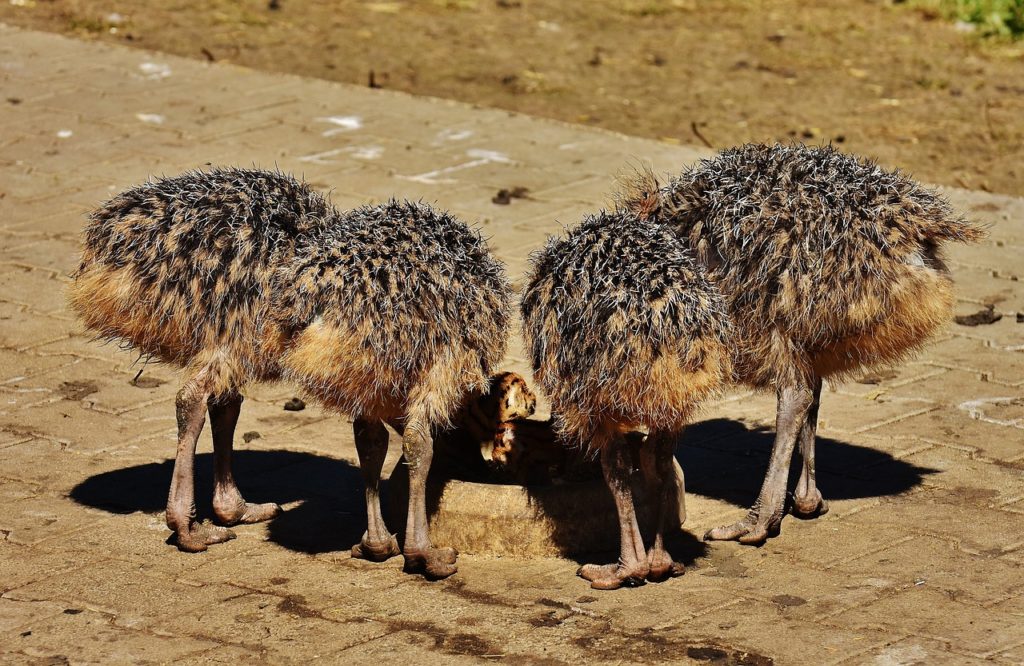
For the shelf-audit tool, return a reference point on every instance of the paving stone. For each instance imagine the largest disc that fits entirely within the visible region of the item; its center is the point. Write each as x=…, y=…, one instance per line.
x=118, y=589
x=935, y=564
x=96, y=640
x=931, y=614
x=916, y=650
x=957, y=430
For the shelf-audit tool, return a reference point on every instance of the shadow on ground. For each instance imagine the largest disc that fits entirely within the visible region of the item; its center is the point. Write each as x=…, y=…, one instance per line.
x=722, y=459
x=331, y=516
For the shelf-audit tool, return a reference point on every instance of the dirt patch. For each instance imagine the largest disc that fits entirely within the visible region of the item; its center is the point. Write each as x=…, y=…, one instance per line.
x=147, y=382
x=504, y=197
x=458, y=643
x=980, y=318
x=295, y=604
x=602, y=642
x=788, y=600
x=77, y=390
x=882, y=79
x=458, y=588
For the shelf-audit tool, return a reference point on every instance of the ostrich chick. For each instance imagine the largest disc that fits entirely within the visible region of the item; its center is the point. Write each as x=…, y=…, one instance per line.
x=827, y=263
x=625, y=333
x=386, y=313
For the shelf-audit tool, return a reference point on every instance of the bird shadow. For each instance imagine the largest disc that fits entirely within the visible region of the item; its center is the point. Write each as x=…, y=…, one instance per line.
x=727, y=460
x=331, y=515
x=722, y=459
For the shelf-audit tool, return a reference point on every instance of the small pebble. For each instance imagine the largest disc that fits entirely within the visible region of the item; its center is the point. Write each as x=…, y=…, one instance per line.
x=294, y=405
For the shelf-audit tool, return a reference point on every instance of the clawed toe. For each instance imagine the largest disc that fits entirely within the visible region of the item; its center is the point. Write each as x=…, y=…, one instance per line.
x=432, y=563
x=200, y=536
x=257, y=513
x=809, y=506
x=746, y=532
x=612, y=576
x=376, y=550
x=662, y=567
x=246, y=513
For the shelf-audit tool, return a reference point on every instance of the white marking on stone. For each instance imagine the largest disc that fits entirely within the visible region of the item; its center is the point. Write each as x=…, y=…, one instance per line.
x=480, y=158
x=549, y=26
x=367, y=152
x=451, y=134
x=901, y=656
x=151, y=118
x=357, y=152
x=64, y=134
x=975, y=411
x=341, y=124
x=155, y=70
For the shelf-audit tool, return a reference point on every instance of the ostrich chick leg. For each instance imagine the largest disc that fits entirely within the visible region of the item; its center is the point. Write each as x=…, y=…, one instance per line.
x=228, y=504
x=632, y=568
x=191, y=536
x=807, y=499
x=765, y=516
x=377, y=543
x=420, y=555
x=660, y=478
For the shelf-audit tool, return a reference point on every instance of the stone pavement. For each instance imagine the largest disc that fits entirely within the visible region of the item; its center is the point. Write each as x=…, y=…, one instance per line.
x=919, y=561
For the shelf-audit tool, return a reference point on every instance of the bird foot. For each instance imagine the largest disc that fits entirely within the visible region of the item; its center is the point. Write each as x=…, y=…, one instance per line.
x=244, y=513
x=810, y=505
x=432, y=563
x=613, y=576
x=376, y=550
x=753, y=530
x=199, y=536
x=662, y=567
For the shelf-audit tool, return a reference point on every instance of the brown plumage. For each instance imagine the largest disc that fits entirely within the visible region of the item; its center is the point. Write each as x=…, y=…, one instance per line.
x=625, y=333
x=827, y=263
x=387, y=313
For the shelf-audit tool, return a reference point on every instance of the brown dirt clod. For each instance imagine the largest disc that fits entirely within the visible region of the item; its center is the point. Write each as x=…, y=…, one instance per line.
x=294, y=405
x=505, y=196
x=979, y=318
x=77, y=390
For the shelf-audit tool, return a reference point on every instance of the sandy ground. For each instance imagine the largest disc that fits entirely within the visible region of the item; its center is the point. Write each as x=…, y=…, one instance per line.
x=878, y=78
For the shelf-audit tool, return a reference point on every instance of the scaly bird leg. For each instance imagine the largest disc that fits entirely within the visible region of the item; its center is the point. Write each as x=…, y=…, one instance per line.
x=192, y=537
x=659, y=472
x=631, y=569
x=228, y=504
x=765, y=516
x=377, y=543
x=807, y=499
x=420, y=555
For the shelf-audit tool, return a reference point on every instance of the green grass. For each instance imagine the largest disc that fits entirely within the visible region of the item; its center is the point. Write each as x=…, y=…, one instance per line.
x=993, y=18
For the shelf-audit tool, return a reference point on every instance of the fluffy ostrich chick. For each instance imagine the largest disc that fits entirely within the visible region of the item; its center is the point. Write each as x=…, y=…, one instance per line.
x=625, y=334
x=828, y=264
x=388, y=313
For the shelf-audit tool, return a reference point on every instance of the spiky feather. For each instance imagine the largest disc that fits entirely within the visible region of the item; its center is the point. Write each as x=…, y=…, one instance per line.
x=827, y=262
x=259, y=271
x=623, y=328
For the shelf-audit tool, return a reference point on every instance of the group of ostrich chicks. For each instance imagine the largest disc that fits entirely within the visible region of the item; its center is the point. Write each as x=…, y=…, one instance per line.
x=767, y=266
